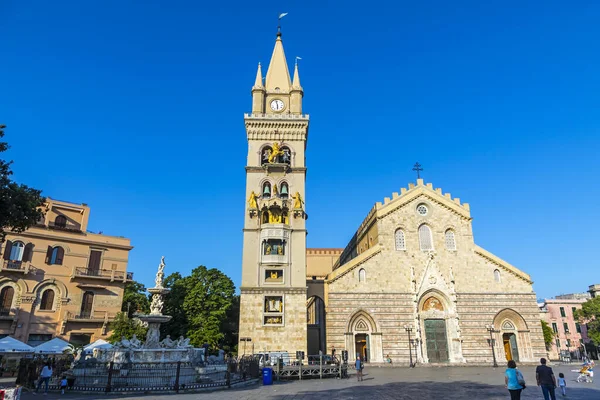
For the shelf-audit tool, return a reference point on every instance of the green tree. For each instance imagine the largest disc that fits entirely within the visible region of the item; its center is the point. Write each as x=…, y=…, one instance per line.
x=548, y=334
x=19, y=204
x=231, y=327
x=123, y=326
x=201, y=306
x=173, y=306
x=589, y=314
x=135, y=299
x=208, y=298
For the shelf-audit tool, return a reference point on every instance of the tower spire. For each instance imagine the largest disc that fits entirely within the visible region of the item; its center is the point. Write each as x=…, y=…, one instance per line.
x=258, y=83
x=296, y=81
x=278, y=74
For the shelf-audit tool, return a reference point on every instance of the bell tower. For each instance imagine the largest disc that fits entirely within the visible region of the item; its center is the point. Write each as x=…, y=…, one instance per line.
x=273, y=290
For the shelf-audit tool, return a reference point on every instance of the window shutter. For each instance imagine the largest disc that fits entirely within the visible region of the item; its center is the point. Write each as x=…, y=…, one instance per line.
x=94, y=263
x=60, y=254
x=28, y=253
x=6, y=297
x=47, y=300
x=86, y=304
x=7, y=250
x=49, y=255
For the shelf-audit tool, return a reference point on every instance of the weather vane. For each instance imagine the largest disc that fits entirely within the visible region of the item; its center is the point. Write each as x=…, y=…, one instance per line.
x=418, y=167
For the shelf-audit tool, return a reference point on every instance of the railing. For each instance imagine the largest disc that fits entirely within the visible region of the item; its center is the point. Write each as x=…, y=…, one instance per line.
x=277, y=116
x=89, y=316
x=274, y=259
x=102, y=273
x=65, y=227
x=146, y=377
x=14, y=265
x=5, y=312
x=287, y=366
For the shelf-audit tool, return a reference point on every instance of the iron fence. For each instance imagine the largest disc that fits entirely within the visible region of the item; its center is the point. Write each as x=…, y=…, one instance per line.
x=147, y=377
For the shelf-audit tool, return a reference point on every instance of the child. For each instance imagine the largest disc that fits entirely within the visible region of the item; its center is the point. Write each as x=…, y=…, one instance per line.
x=63, y=384
x=562, y=384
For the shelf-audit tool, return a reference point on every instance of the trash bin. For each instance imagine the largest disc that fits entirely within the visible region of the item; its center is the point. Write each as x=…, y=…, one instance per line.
x=267, y=376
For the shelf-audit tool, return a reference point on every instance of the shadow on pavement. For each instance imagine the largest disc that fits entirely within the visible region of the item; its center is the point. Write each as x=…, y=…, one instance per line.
x=457, y=390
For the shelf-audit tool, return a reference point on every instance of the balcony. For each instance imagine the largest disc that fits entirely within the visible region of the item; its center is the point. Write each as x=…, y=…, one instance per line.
x=65, y=227
x=274, y=259
x=7, y=314
x=102, y=274
x=15, y=266
x=94, y=317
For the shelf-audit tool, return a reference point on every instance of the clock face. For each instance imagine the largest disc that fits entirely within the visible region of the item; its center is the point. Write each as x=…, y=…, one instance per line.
x=277, y=105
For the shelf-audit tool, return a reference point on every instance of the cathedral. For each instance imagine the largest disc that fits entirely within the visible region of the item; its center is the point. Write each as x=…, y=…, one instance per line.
x=410, y=285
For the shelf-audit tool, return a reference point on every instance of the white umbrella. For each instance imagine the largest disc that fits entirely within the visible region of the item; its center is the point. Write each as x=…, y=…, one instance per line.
x=12, y=345
x=54, y=346
x=98, y=344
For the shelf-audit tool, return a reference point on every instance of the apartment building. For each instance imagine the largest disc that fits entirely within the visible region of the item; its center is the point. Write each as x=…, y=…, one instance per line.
x=57, y=279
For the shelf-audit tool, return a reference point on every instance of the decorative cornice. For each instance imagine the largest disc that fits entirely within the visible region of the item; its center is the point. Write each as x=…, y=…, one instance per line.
x=354, y=263
x=262, y=290
x=502, y=264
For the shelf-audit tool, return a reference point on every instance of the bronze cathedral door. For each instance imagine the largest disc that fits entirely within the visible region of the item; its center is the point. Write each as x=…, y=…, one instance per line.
x=436, y=340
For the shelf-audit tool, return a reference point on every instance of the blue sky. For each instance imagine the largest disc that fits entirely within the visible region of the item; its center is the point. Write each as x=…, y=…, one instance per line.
x=136, y=108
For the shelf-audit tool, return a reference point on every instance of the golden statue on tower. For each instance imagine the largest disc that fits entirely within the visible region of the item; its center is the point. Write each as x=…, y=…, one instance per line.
x=275, y=152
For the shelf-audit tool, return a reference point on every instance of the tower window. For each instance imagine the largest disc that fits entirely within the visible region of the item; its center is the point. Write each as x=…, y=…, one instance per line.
x=425, y=239
x=497, y=275
x=265, y=154
x=400, y=241
x=274, y=247
x=273, y=310
x=286, y=156
x=284, y=191
x=362, y=275
x=450, y=240
x=266, y=192
x=60, y=221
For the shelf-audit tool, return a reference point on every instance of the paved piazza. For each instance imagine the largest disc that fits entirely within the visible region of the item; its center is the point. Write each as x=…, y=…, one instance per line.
x=384, y=383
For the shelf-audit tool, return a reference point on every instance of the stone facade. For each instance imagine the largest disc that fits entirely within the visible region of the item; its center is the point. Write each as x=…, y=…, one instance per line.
x=396, y=276
x=273, y=290
x=59, y=280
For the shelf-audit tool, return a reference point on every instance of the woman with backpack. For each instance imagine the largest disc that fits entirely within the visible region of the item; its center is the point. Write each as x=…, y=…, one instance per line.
x=514, y=381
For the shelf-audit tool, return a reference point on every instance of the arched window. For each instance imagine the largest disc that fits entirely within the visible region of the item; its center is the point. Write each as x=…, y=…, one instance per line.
x=286, y=157
x=425, y=239
x=264, y=155
x=450, y=240
x=55, y=255
x=60, y=221
x=362, y=275
x=86, y=305
x=47, y=302
x=17, y=250
x=6, y=299
x=266, y=192
x=400, y=242
x=265, y=216
x=284, y=191
x=497, y=275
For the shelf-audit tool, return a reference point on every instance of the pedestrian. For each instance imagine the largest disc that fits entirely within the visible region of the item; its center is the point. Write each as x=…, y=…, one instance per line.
x=63, y=384
x=562, y=384
x=359, y=368
x=546, y=380
x=514, y=381
x=332, y=351
x=44, y=378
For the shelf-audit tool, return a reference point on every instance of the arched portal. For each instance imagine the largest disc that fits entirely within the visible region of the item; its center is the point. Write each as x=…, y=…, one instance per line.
x=315, y=318
x=363, y=338
x=512, y=339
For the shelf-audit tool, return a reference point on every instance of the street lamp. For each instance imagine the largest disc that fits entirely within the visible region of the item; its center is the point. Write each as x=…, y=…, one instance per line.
x=408, y=330
x=415, y=343
x=491, y=330
x=245, y=339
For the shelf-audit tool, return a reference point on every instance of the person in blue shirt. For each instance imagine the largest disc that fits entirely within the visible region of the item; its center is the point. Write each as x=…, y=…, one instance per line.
x=513, y=380
x=359, y=368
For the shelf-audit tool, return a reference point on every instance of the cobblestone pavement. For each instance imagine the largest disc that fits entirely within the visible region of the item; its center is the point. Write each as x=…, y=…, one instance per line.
x=454, y=383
